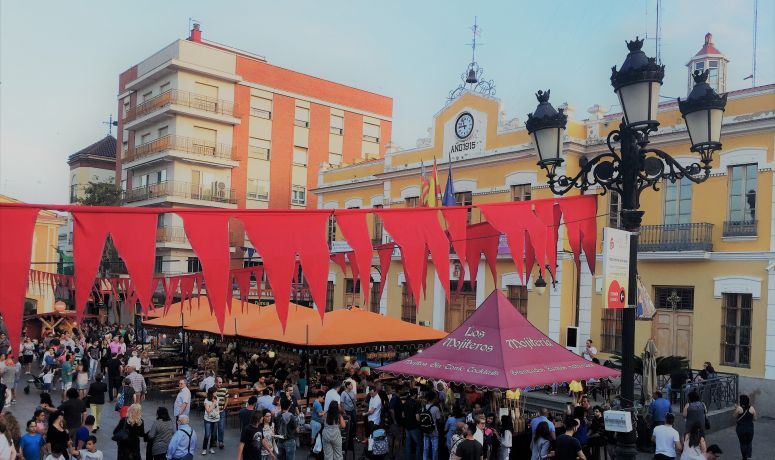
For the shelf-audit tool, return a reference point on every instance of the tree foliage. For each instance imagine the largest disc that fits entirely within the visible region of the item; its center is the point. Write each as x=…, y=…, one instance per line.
x=101, y=194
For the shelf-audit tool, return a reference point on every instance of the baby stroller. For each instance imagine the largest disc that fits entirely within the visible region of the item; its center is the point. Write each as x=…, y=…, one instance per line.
x=36, y=381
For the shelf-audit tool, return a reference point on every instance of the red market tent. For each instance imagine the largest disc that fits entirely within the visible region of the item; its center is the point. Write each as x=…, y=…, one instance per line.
x=496, y=347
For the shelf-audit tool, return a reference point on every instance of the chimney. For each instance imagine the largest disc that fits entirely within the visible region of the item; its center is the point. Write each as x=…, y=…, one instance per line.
x=196, y=34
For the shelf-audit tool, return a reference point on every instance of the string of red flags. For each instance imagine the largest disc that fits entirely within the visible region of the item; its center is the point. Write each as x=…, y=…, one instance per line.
x=286, y=240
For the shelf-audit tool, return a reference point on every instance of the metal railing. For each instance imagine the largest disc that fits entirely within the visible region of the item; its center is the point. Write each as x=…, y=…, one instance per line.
x=183, y=190
x=168, y=234
x=182, y=98
x=740, y=227
x=182, y=144
x=676, y=237
x=717, y=393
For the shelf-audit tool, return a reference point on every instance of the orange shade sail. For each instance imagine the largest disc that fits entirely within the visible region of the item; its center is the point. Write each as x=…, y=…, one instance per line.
x=338, y=329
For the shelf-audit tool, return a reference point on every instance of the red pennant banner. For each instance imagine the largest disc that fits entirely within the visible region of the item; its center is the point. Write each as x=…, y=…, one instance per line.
x=339, y=259
x=413, y=230
x=513, y=220
x=17, y=225
x=278, y=237
x=482, y=238
x=356, y=231
x=134, y=236
x=209, y=236
x=385, y=253
x=457, y=222
x=354, y=268
x=579, y=214
x=549, y=213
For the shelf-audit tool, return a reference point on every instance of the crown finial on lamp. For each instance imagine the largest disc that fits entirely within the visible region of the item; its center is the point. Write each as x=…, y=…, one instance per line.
x=634, y=45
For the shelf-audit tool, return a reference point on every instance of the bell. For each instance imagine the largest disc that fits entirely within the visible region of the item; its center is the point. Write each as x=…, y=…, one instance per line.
x=471, y=76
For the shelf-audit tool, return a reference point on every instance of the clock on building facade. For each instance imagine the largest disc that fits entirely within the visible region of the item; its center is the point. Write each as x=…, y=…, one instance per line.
x=464, y=125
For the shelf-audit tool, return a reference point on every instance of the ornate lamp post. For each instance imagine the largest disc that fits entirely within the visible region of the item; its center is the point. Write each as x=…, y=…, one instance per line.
x=630, y=166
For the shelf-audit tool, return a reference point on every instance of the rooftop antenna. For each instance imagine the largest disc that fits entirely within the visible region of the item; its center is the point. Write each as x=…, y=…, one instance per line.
x=111, y=123
x=658, y=38
x=191, y=22
x=755, y=27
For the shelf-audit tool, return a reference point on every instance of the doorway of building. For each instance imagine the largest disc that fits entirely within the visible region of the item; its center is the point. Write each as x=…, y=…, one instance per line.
x=461, y=305
x=671, y=326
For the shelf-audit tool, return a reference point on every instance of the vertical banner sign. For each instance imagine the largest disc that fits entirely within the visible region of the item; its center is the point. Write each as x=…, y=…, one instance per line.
x=616, y=266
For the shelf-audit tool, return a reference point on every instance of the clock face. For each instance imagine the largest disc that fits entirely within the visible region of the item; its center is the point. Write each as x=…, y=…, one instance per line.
x=464, y=125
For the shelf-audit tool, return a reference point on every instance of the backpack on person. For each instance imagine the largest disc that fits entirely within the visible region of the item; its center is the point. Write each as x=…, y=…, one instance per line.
x=427, y=422
x=287, y=427
x=119, y=400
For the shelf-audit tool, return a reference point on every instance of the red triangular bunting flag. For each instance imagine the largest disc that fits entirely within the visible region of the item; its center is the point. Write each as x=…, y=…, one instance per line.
x=385, y=253
x=208, y=234
x=412, y=230
x=457, y=218
x=579, y=215
x=278, y=237
x=16, y=230
x=356, y=232
x=134, y=236
x=482, y=238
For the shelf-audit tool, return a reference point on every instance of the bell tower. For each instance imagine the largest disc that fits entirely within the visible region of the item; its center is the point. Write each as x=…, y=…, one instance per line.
x=711, y=59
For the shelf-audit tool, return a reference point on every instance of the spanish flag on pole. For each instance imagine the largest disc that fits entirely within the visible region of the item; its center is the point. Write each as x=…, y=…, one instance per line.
x=435, y=188
x=424, y=185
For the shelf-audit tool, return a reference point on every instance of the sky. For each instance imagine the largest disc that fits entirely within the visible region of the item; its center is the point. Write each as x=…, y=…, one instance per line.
x=60, y=61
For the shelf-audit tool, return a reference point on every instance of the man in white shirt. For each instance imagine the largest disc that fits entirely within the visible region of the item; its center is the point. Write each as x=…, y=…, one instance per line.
x=589, y=352
x=374, y=415
x=332, y=395
x=207, y=382
x=666, y=439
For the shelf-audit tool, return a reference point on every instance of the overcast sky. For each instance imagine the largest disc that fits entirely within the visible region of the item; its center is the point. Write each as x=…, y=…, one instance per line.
x=59, y=61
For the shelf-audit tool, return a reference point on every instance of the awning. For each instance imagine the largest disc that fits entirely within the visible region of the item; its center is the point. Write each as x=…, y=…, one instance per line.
x=343, y=328
x=496, y=347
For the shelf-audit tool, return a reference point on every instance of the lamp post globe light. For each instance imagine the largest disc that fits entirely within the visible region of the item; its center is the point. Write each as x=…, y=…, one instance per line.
x=631, y=166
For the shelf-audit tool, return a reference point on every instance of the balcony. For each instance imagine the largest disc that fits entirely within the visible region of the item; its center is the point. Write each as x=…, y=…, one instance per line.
x=736, y=228
x=168, y=234
x=676, y=237
x=184, y=148
x=182, y=192
x=172, y=102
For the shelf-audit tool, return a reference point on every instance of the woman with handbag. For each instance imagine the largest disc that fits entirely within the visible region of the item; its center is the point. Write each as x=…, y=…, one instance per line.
x=745, y=414
x=128, y=433
x=212, y=416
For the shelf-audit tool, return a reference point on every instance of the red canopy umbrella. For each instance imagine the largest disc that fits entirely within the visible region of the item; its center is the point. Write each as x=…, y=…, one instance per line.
x=496, y=347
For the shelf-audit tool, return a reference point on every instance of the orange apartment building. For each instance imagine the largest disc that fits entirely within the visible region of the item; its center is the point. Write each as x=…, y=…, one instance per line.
x=203, y=124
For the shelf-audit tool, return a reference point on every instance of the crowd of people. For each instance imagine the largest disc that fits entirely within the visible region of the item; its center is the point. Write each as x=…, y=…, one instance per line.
x=332, y=406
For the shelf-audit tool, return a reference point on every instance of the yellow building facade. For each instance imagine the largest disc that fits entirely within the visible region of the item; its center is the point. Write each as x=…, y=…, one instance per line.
x=40, y=299
x=707, y=254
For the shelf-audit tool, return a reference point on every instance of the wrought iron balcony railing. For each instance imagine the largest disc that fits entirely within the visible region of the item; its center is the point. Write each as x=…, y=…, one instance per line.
x=676, y=237
x=217, y=192
x=182, y=98
x=740, y=227
x=199, y=147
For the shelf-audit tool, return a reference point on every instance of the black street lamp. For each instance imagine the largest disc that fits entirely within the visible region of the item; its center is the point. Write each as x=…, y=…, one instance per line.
x=632, y=168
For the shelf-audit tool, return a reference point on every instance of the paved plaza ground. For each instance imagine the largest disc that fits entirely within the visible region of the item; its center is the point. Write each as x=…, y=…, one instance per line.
x=764, y=440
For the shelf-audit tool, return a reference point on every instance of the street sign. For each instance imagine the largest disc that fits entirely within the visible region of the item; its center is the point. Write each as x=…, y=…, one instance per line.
x=616, y=266
x=618, y=421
